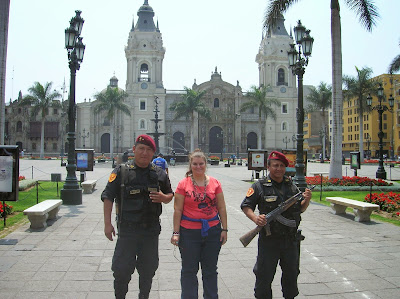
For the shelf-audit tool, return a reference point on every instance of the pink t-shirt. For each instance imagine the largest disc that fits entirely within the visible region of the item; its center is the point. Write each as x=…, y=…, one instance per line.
x=198, y=207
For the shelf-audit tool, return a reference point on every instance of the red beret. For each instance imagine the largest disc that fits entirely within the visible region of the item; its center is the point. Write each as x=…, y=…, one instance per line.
x=278, y=156
x=146, y=140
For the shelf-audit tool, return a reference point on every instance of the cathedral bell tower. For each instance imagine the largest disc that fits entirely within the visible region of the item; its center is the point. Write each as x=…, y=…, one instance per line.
x=144, y=84
x=144, y=54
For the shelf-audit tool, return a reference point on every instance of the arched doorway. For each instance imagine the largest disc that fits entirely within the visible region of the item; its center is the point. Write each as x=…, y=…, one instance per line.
x=178, y=143
x=252, y=140
x=105, y=143
x=216, y=140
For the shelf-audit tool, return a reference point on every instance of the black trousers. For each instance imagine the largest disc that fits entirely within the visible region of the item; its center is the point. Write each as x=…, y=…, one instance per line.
x=271, y=251
x=136, y=248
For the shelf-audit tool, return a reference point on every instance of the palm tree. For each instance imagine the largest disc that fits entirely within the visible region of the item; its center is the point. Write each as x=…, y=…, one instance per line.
x=257, y=98
x=358, y=88
x=4, y=15
x=111, y=101
x=41, y=98
x=394, y=65
x=191, y=103
x=320, y=99
x=367, y=13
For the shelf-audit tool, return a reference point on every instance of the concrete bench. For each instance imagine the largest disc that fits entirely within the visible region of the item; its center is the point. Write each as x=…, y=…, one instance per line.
x=43, y=211
x=362, y=210
x=88, y=186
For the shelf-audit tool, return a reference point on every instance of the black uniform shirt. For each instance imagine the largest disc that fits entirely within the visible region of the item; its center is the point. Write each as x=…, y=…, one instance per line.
x=114, y=182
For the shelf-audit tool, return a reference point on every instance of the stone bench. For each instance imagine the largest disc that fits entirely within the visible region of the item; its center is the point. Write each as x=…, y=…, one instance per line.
x=362, y=210
x=88, y=186
x=43, y=211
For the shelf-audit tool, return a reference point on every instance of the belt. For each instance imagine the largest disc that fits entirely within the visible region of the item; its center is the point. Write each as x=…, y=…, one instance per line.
x=139, y=224
x=204, y=223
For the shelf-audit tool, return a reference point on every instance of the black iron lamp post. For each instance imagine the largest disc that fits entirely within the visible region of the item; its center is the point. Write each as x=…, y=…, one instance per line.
x=85, y=135
x=298, y=61
x=71, y=194
x=380, y=173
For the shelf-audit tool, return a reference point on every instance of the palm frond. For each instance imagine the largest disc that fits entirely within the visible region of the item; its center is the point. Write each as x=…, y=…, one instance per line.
x=367, y=12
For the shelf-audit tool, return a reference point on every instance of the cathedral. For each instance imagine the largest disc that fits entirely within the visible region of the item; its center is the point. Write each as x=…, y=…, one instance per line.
x=230, y=131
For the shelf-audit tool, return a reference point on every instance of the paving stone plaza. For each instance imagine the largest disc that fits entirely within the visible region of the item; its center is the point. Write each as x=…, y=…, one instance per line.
x=340, y=258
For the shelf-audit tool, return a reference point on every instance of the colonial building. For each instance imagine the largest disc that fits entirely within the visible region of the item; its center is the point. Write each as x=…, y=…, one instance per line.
x=229, y=130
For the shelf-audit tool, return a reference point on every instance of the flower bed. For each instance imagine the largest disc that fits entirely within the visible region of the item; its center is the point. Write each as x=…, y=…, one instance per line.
x=346, y=181
x=388, y=202
x=7, y=208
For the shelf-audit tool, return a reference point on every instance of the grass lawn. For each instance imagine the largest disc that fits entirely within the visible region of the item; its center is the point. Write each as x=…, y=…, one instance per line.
x=356, y=195
x=26, y=199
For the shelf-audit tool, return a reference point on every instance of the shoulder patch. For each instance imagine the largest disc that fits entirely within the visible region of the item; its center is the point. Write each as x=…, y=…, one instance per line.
x=112, y=177
x=250, y=192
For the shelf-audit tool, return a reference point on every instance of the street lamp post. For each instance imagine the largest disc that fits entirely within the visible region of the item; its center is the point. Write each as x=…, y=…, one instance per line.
x=71, y=194
x=380, y=173
x=298, y=61
x=286, y=141
x=368, y=144
x=84, y=136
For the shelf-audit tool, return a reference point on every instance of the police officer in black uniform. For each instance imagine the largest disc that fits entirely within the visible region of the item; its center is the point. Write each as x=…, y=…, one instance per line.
x=138, y=189
x=282, y=244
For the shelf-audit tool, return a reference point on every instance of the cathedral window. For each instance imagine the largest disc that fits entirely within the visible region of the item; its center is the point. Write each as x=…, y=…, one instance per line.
x=284, y=108
x=19, y=126
x=106, y=122
x=281, y=77
x=284, y=126
x=142, y=105
x=142, y=124
x=144, y=73
x=216, y=103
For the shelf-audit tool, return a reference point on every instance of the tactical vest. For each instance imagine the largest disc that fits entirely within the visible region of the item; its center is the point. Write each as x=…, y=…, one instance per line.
x=136, y=205
x=271, y=200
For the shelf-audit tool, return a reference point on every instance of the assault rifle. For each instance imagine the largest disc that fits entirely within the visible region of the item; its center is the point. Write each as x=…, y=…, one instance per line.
x=274, y=215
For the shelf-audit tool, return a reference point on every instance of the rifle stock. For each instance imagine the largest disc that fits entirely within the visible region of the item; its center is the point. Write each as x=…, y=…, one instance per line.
x=248, y=237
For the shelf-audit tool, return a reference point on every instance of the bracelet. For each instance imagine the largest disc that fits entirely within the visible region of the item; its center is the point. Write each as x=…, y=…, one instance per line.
x=175, y=233
x=224, y=230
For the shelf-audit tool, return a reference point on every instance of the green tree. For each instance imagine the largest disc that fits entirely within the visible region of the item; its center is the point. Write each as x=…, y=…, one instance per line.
x=257, y=98
x=41, y=98
x=367, y=14
x=190, y=105
x=394, y=65
x=357, y=88
x=320, y=99
x=110, y=102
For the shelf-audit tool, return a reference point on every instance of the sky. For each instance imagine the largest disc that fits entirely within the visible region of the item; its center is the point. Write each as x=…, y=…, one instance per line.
x=198, y=36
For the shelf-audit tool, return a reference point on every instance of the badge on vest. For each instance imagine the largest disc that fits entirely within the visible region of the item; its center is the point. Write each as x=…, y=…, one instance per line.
x=270, y=198
x=134, y=191
x=152, y=189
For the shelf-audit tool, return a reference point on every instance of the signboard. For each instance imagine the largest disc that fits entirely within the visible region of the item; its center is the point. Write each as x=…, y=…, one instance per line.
x=9, y=172
x=257, y=160
x=84, y=159
x=355, y=162
x=291, y=156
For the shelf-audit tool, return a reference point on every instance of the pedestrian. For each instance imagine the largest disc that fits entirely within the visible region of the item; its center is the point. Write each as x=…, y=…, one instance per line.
x=138, y=188
x=283, y=244
x=160, y=161
x=200, y=227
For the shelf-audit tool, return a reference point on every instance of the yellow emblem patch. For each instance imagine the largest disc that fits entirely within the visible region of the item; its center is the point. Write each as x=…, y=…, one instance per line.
x=112, y=177
x=250, y=192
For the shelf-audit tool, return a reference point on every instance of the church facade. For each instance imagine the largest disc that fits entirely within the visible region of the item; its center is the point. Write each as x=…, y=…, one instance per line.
x=229, y=131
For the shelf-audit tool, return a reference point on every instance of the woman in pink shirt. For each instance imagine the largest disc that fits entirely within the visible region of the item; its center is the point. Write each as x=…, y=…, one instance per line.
x=200, y=227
